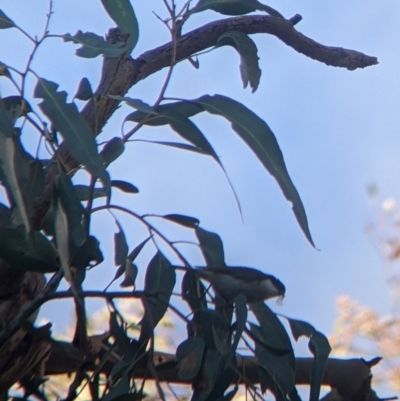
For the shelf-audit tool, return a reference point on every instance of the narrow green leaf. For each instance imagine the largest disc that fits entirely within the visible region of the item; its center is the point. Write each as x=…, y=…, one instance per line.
x=189, y=355
x=212, y=247
x=84, y=192
x=131, y=272
x=137, y=104
x=86, y=254
x=259, y=137
x=84, y=91
x=121, y=12
x=247, y=49
x=274, y=333
x=227, y=7
x=78, y=138
x=31, y=252
x=93, y=45
x=300, y=328
x=6, y=22
x=126, y=348
x=235, y=7
x=193, y=292
x=120, y=246
x=125, y=186
x=133, y=255
x=159, y=283
x=241, y=319
x=319, y=346
x=177, y=145
x=186, y=221
x=278, y=366
x=72, y=208
x=209, y=373
x=10, y=171
x=112, y=150
x=187, y=108
x=62, y=234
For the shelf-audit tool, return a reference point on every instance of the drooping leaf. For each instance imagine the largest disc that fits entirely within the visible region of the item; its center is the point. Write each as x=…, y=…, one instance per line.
x=159, y=283
x=187, y=108
x=137, y=104
x=177, y=145
x=241, y=319
x=186, y=221
x=300, y=328
x=127, y=348
x=30, y=252
x=10, y=172
x=247, y=49
x=279, y=367
x=84, y=192
x=120, y=246
x=62, y=236
x=319, y=346
x=189, y=355
x=212, y=247
x=131, y=272
x=135, y=252
x=93, y=45
x=84, y=91
x=112, y=150
x=66, y=119
x=274, y=333
x=125, y=186
x=193, y=292
x=120, y=389
x=87, y=254
x=6, y=22
x=234, y=7
x=209, y=372
x=72, y=207
x=122, y=13
x=225, y=378
x=261, y=140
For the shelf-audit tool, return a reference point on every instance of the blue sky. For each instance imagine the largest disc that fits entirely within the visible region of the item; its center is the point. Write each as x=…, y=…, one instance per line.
x=338, y=131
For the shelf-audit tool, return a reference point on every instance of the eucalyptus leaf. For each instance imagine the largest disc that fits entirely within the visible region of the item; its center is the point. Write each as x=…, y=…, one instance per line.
x=93, y=45
x=258, y=136
x=186, y=221
x=137, y=104
x=189, y=355
x=6, y=22
x=84, y=91
x=211, y=247
x=112, y=150
x=122, y=13
x=72, y=208
x=247, y=49
x=120, y=246
x=159, y=283
x=125, y=186
x=77, y=135
x=235, y=7
x=30, y=252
